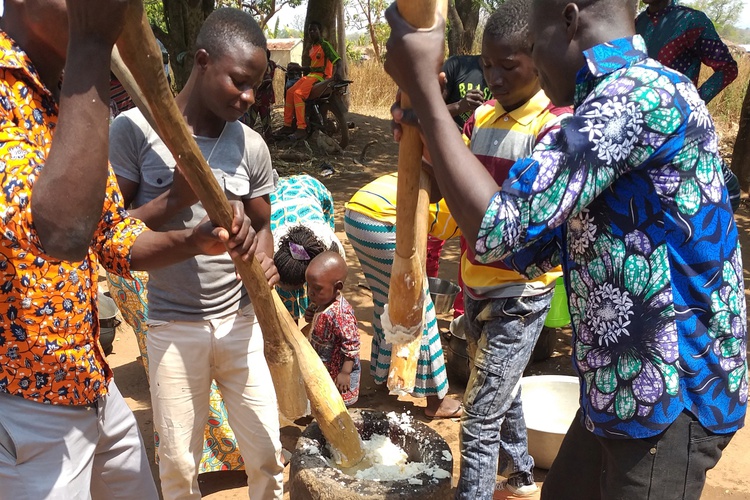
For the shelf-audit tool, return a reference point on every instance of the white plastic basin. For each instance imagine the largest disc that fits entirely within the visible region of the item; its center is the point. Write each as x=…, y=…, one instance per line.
x=550, y=403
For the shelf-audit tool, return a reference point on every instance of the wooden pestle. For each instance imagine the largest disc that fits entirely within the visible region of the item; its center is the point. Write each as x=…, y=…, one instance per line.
x=405, y=312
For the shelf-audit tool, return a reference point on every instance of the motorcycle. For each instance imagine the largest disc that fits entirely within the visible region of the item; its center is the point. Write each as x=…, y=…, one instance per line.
x=325, y=110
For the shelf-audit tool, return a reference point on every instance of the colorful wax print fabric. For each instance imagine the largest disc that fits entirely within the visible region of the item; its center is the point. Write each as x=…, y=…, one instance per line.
x=633, y=186
x=682, y=38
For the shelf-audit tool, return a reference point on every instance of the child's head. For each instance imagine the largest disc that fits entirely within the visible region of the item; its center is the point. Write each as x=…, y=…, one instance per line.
x=296, y=249
x=560, y=31
x=325, y=276
x=506, y=55
x=230, y=61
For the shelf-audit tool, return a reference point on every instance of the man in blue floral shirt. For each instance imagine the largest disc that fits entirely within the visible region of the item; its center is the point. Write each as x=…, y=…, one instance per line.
x=632, y=187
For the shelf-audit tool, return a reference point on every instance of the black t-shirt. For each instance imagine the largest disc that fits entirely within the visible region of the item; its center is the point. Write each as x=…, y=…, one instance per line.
x=462, y=74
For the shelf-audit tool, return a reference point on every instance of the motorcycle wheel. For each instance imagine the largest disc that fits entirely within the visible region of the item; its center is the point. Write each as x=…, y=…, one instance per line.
x=334, y=123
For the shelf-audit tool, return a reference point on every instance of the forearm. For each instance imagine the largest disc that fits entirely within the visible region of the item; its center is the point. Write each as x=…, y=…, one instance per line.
x=158, y=211
x=717, y=82
x=68, y=196
x=454, y=108
x=265, y=240
x=347, y=366
x=154, y=249
x=462, y=179
x=716, y=55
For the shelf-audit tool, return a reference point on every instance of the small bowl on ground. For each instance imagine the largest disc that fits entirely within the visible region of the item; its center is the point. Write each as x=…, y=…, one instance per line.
x=550, y=403
x=443, y=294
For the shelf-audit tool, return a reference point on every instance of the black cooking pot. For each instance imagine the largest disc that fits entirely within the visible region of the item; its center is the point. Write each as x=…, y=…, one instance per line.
x=458, y=360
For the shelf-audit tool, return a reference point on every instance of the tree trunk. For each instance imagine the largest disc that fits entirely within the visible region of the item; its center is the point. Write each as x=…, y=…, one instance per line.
x=741, y=153
x=341, y=37
x=183, y=19
x=324, y=12
x=463, y=19
x=341, y=47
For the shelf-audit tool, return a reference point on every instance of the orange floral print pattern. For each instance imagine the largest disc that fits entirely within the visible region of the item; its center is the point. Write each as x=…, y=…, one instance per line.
x=48, y=309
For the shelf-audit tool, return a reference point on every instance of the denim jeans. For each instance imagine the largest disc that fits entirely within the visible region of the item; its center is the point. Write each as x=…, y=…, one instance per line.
x=501, y=335
x=669, y=466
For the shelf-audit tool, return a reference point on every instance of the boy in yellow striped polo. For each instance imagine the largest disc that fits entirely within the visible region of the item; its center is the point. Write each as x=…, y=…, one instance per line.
x=505, y=312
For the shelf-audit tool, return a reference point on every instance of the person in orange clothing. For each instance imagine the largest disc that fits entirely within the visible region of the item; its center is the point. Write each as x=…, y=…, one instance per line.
x=65, y=428
x=324, y=64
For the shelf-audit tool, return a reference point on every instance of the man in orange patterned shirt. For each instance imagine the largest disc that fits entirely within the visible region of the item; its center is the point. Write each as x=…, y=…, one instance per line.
x=65, y=430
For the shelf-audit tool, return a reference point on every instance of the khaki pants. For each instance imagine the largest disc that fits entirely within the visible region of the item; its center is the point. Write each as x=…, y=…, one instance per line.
x=184, y=357
x=72, y=453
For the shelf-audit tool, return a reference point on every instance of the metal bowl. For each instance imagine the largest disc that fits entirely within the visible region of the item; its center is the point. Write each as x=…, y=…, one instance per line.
x=443, y=294
x=550, y=403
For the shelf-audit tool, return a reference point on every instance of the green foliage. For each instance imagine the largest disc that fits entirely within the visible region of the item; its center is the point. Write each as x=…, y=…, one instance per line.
x=368, y=15
x=264, y=10
x=289, y=32
x=352, y=52
x=739, y=36
x=723, y=13
x=155, y=13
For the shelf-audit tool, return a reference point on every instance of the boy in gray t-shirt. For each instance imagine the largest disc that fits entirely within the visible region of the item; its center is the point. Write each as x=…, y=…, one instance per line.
x=201, y=323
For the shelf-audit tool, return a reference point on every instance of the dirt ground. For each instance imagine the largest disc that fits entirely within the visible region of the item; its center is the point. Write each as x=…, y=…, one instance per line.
x=354, y=169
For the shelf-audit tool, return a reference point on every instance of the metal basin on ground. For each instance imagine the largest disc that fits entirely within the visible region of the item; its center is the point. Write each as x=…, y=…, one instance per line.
x=550, y=403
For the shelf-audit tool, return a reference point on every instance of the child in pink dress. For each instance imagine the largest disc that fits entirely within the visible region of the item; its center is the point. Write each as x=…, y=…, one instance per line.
x=334, y=333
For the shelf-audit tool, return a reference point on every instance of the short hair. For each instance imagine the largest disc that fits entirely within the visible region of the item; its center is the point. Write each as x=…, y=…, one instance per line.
x=225, y=27
x=291, y=269
x=315, y=23
x=332, y=264
x=510, y=23
x=604, y=8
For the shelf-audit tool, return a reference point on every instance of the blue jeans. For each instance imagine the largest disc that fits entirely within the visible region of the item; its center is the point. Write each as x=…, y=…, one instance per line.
x=501, y=335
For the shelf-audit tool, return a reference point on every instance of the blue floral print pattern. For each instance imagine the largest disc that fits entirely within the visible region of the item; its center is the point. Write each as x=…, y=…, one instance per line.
x=633, y=185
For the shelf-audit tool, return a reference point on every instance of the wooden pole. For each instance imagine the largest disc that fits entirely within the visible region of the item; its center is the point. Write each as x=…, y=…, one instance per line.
x=142, y=58
x=405, y=310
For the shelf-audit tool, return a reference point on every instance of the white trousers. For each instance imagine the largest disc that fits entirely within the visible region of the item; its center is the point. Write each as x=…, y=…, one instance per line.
x=70, y=453
x=184, y=357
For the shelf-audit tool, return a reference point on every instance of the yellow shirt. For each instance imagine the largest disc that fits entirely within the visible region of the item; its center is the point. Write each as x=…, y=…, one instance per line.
x=498, y=138
x=377, y=200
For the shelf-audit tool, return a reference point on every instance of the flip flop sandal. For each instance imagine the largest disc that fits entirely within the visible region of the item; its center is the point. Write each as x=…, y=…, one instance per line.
x=455, y=414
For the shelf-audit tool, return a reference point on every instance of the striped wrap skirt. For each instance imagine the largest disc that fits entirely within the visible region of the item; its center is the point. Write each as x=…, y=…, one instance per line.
x=375, y=244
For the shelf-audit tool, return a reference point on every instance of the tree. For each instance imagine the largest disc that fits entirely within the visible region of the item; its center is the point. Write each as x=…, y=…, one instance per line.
x=463, y=20
x=723, y=13
x=368, y=15
x=741, y=152
x=176, y=24
x=264, y=10
x=326, y=13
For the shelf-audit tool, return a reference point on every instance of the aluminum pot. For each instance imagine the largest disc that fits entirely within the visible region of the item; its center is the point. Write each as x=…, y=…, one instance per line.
x=443, y=294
